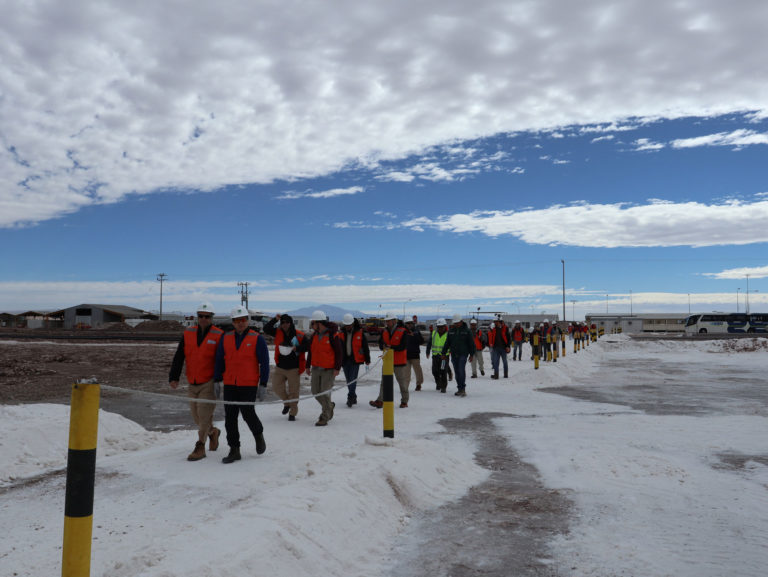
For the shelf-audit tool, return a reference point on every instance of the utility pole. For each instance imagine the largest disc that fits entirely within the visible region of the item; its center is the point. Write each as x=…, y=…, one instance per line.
x=161, y=277
x=563, y=262
x=243, y=293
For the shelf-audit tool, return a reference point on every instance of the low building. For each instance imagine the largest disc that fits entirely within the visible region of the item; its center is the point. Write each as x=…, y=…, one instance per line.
x=85, y=316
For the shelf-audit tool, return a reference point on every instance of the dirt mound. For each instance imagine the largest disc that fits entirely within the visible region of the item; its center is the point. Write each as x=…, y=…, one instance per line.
x=160, y=326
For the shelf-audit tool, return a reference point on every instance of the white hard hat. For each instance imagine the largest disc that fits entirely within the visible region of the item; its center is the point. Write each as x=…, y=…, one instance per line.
x=319, y=316
x=348, y=319
x=239, y=312
x=390, y=317
x=497, y=317
x=473, y=321
x=517, y=322
x=546, y=321
x=204, y=308
x=457, y=318
x=440, y=323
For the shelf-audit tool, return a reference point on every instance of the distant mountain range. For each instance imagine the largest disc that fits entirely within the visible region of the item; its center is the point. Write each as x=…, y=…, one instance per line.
x=334, y=313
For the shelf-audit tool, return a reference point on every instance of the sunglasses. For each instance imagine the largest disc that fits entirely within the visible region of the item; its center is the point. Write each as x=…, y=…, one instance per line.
x=205, y=316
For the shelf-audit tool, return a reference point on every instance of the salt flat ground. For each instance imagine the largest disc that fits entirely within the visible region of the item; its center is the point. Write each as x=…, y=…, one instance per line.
x=628, y=458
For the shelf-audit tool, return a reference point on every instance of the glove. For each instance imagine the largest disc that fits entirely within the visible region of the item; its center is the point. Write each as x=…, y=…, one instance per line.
x=217, y=389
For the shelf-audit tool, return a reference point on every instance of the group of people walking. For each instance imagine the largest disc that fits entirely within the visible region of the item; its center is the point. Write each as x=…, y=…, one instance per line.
x=236, y=364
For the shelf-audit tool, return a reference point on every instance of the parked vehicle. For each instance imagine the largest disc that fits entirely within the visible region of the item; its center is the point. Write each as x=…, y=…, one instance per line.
x=718, y=322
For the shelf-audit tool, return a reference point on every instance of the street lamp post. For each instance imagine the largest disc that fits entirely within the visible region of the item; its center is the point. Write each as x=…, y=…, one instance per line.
x=563, y=263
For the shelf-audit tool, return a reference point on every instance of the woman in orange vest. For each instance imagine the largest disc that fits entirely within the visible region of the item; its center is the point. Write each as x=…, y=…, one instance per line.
x=289, y=362
x=242, y=363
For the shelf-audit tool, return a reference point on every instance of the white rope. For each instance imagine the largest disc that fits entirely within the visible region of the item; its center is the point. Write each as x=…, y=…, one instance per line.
x=222, y=402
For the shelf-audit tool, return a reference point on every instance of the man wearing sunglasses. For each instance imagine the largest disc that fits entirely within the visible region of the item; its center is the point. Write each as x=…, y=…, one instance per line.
x=197, y=349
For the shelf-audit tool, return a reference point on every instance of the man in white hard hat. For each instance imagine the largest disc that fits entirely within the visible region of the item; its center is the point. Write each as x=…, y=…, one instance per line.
x=461, y=347
x=480, y=341
x=242, y=364
x=436, y=347
x=394, y=337
x=323, y=363
x=197, y=349
x=413, y=352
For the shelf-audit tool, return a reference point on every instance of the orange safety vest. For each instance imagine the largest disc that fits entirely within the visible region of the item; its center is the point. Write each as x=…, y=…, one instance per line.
x=321, y=349
x=200, y=360
x=280, y=338
x=393, y=340
x=357, y=344
x=518, y=334
x=241, y=366
x=478, y=341
x=492, y=336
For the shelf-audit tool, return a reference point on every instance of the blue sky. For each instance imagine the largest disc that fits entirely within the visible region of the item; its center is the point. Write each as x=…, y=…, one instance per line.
x=428, y=157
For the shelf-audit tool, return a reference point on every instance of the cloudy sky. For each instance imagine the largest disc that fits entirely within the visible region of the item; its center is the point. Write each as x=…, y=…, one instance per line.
x=419, y=156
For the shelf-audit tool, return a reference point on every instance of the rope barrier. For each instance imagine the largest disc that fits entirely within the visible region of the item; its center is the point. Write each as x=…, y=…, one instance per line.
x=180, y=398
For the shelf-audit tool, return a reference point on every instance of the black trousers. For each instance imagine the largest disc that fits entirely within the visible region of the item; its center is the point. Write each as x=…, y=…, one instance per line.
x=241, y=394
x=439, y=372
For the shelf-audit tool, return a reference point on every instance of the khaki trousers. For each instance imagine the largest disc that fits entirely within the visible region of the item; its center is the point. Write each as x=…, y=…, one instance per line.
x=286, y=384
x=415, y=364
x=202, y=413
x=403, y=377
x=322, y=380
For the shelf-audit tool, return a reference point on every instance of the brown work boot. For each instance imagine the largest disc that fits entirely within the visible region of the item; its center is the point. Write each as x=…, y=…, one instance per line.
x=198, y=453
x=213, y=439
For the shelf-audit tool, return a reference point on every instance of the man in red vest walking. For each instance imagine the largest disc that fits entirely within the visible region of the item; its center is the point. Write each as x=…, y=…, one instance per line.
x=197, y=349
x=242, y=364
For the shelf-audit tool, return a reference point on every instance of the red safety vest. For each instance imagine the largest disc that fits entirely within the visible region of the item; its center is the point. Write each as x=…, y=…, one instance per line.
x=393, y=340
x=241, y=365
x=357, y=344
x=280, y=338
x=478, y=341
x=200, y=360
x=321, y=349
x=492, y=336
x=518, y=334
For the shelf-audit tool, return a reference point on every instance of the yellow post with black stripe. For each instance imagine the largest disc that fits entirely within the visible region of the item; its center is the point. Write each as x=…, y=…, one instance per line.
x=388, y=393
x=535, y=343
x=562, y=342
x=81, y=474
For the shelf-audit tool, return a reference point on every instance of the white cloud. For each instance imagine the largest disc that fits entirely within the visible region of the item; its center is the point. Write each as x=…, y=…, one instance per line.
x=659, y=223
x=334, y=192
x=646, y=144
x=740, y=273
x=737, y=138
x=105, y=99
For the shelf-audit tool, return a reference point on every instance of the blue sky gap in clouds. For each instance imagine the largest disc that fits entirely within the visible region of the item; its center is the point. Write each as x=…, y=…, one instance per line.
x=436, y=162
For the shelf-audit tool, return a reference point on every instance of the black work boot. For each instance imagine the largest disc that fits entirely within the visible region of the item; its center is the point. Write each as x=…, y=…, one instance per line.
x=234, y=455
x=261, y=444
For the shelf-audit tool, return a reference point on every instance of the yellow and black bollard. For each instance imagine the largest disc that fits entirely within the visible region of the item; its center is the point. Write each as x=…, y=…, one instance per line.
x=576, y=336
x=535, y=344
x=81, y=474
x=562, y=342
x=388, y=393
x=549, y=348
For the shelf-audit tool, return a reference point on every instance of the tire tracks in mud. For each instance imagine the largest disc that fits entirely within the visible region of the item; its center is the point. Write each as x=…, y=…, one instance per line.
x=500, y=528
